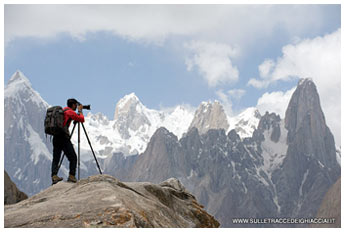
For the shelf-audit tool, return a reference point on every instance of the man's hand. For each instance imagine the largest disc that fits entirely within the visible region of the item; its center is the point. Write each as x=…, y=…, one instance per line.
x=80, y=108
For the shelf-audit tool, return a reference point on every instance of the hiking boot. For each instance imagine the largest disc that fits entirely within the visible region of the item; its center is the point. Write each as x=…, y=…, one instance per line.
x=72, y=178
x=56, y=179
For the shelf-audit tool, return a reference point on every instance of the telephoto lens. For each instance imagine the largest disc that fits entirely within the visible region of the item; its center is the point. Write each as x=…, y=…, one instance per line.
x=86, y=107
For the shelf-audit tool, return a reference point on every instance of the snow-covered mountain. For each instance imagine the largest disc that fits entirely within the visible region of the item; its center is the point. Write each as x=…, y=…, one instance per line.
x=132, y=127
x=134, y=124
x=27, y=152
x=246, y=122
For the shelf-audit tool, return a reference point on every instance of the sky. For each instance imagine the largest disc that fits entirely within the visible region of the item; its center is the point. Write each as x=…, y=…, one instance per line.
x=241, y=55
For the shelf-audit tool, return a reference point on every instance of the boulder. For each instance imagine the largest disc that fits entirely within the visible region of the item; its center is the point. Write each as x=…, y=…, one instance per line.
x=104, y=201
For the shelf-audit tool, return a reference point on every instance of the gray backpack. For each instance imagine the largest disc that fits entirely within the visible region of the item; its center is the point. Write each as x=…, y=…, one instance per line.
x=53, y=122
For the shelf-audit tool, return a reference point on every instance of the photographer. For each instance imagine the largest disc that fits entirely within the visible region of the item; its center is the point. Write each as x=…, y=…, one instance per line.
x=63, y=143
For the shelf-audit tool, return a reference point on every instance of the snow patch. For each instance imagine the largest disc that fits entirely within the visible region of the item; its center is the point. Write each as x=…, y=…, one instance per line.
x=274, y=152
x=303, y=181
x=38, y=148
x=338, y=155
x=17, y=172
x=275, y=200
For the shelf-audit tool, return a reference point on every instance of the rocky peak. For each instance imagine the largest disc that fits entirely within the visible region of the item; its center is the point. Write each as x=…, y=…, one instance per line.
x=19, y=93
x=18, y=78
x=160, y=154
x=130, y=115
x=307, y=127
x=269, y=124
x=246, y=122
x=110, y=203
x=268, y=120
x=311, y=159
x=304, y=105
x=162, y=132
x=128, y=104
x=209, y=115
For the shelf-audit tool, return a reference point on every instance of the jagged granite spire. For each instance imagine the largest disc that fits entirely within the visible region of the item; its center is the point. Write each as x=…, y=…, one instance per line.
x=210, y=115
x=305, y=121
x=310, y=166
x=304, y=102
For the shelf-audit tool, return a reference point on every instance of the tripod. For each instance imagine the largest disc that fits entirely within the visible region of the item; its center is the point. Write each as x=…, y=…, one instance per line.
x=94, y=156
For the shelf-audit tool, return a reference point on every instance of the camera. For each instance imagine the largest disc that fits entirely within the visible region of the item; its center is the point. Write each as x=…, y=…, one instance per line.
x=86, y=107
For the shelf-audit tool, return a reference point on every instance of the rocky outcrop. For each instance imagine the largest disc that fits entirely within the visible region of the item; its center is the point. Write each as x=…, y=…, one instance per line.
x=103, y=201
x=209, y=116
x=331, y=207
x=11, y=193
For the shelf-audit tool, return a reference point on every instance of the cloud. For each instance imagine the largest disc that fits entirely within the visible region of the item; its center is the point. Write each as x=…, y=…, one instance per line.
x=237, y=93
x=265, y=71
x=227, y=97
x=149, y=23
x=233, y=24
x=276, y=102
x=318, y=58
x=212, y=60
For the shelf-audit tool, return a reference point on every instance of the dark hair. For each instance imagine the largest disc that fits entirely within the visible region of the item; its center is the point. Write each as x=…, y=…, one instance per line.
x=71, y=102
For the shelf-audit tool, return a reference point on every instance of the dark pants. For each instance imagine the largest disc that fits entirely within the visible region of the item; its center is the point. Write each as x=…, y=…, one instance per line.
x=62, y=143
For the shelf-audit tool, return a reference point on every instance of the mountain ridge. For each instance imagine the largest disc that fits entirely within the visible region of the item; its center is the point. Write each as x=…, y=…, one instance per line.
x=284, y=161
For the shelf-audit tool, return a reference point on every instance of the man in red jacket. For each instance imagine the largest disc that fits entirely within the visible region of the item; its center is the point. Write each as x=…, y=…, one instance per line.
x=63, y=143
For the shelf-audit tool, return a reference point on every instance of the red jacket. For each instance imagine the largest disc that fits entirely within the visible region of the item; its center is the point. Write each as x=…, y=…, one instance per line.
x=71, y=114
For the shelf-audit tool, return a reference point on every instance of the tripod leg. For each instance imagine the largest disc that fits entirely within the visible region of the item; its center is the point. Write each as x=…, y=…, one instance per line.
x=100, y=172
x=63, y=156
x=78, y=150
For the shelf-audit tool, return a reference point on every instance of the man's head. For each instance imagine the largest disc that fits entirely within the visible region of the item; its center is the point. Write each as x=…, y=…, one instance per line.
x=72, y=103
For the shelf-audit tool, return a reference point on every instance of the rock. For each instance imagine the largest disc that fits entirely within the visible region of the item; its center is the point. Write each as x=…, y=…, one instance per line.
x=331, y=207
x=103, y=201
x=11, y=193
x=209, y=116
x=173, y=183
x=162, y=159
x=310, y=167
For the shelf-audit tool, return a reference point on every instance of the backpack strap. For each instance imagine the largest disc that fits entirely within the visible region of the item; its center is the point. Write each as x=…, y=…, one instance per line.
x=69, y=120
